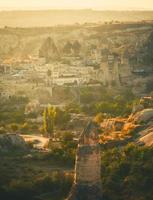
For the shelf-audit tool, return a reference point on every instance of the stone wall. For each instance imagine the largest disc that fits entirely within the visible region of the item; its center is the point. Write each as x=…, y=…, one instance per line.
x=87, y=179
x=88, y=165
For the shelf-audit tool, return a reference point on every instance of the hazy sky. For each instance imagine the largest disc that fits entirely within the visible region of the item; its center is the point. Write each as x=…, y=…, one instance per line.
x=76, y=4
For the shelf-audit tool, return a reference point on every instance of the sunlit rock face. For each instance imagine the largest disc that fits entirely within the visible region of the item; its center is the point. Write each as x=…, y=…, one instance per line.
x=146, y=136
x=147, y=140
x=87, y=180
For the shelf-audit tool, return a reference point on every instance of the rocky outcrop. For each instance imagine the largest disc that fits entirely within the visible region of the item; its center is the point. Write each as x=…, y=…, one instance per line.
x=142, y=125
x=143, y=116
x=9, y=142
x=137, y=128
x=147, y=140
x=114, y=124
x=146, y=136
x=49, y=50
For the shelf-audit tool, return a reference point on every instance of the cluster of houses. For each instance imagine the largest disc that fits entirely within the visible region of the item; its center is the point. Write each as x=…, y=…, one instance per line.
x=99, y=65
x=110, y=69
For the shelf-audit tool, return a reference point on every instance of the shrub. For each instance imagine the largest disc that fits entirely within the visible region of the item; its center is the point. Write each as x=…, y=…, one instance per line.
x=99, y=118
x=65, y=151
x=127, y=173
x=24, y=127
x=14, y=127
x=56, y=184
x=2, y=130
x=61, y=118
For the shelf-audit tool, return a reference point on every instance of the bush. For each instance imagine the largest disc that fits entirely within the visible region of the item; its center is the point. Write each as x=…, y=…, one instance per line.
x=99, y=118
x=127, y=173
x=61, y=118
x=14, y=127
x=12, y=110
x=64, y=152
x=55, y=185
x=24, y=127
x=63, y=156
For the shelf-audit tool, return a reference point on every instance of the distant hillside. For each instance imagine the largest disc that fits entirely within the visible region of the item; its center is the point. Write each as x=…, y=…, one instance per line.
x=54, y=17
x=22, y=42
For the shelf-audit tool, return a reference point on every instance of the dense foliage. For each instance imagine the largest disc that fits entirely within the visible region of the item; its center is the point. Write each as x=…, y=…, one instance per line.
x=63, y=153
x=103, y=101
x=12, y=110
x=53, y=186
x=49, y=120
x=61, y=118
x=127, y=173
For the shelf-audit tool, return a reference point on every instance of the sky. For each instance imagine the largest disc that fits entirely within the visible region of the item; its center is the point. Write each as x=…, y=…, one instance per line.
x=78, y=4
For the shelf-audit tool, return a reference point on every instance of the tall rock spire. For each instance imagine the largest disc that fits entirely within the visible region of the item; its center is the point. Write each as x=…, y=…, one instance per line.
x=49, y=50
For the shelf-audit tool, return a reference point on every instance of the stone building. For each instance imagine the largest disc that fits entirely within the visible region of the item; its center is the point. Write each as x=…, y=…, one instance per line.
x=87, y=179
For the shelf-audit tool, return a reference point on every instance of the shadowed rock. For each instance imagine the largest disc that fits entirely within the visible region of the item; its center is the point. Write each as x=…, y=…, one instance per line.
x=9, y=142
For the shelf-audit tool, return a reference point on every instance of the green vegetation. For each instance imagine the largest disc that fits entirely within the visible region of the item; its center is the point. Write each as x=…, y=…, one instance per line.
x=104, y=101
x=46, y=174
x=14, y=127
x=61, y=118
x=127, y=173
x=31, y=178
x=54, y=117
x=49, y=120
x=2, y=130
x=12, y=110
x=65, y=151
x=91, y=101
x=99, y=118
x=149, y=86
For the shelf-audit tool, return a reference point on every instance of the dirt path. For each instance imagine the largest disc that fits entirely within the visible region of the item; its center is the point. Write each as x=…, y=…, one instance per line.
x=39, y=141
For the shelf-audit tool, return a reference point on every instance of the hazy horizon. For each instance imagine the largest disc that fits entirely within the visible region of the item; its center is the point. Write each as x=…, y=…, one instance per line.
x=68, y=9
x=76, y=4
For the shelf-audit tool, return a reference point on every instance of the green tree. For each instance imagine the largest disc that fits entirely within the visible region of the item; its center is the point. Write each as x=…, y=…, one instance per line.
x=62, y=118
x=99, y=117
x=49, y=115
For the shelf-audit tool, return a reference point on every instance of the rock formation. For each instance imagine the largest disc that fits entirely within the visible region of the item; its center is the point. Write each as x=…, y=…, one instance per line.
x=9, y=142
x=68, y=48
x=76, y=47
x=147, y=140
x=146, y=136
x=87, y=180
x=143, y=116
x=49, y=50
